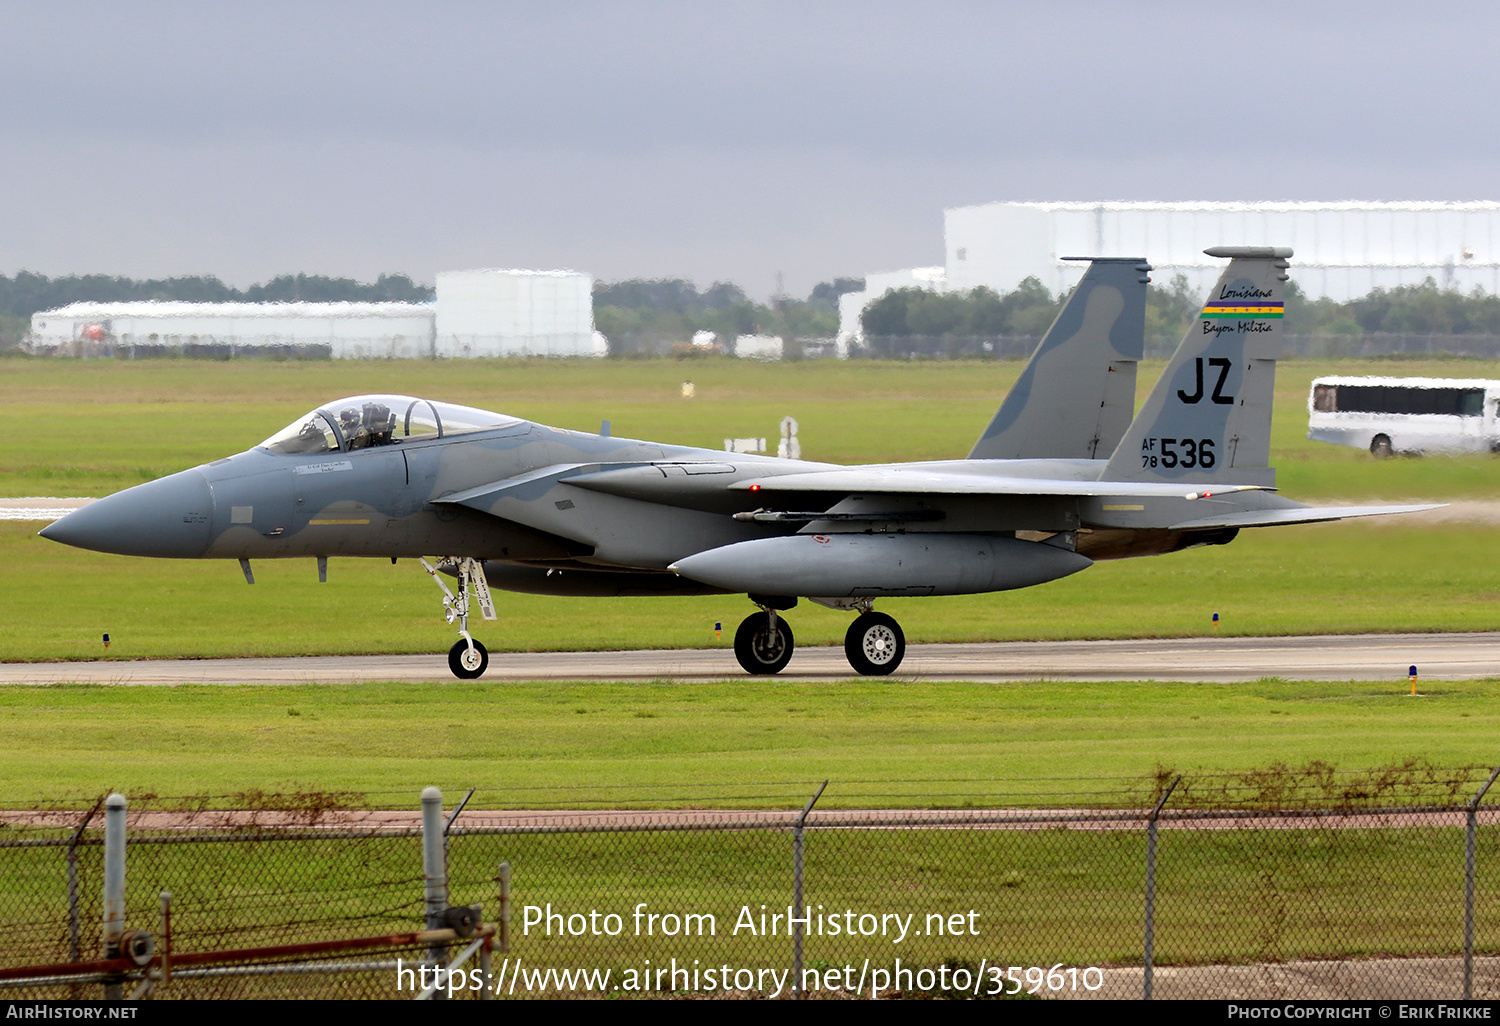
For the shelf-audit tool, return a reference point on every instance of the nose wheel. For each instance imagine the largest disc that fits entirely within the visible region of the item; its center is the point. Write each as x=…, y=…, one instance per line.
x=874, y=644
x=763, y=644
x=468, y=659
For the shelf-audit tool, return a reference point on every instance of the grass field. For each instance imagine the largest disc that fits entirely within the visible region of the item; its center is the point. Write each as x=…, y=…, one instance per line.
x=678, y=744
x=89, y=428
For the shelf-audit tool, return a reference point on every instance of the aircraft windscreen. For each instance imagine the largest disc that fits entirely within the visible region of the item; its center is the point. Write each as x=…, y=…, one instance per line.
x=308, y=434
x=368, y=421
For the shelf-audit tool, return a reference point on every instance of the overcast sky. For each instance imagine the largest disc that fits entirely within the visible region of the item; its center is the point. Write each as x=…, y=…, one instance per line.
x=703, y=140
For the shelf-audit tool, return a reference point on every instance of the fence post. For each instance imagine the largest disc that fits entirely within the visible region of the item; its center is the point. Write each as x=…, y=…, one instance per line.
x=800, y=921
x=1151, y=888
x=165, y=899
x=1473, y=822
x=503, y=927
x=114, y=888
x=434, y=875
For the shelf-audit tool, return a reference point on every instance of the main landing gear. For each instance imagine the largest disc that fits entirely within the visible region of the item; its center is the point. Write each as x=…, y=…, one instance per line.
x=874, y=643
x=468, y=659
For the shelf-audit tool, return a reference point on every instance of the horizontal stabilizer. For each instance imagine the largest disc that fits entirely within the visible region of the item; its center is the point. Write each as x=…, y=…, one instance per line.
x=1304, y=515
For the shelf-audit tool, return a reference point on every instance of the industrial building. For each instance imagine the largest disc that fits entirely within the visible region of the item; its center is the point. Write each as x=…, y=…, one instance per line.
x=341, y=330
x=477, y=313
x=1343, y=250
x=514, y=313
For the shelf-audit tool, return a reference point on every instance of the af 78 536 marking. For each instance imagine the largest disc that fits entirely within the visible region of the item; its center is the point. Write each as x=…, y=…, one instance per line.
x=1163, y=452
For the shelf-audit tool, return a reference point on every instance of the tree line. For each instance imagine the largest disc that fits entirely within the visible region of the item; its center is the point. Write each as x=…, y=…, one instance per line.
x=1029, y=308
x=665, y=308
x=674, y=309
x=1025, y=311
x=27, y=293
x=1423, y=309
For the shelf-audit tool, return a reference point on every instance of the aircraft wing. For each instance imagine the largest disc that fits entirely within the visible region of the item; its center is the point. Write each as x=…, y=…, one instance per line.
x=878, y=480
x=685, y=483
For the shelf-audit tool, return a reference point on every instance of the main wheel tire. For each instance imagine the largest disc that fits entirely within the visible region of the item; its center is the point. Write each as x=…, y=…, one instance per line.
x=874, y=645
x=1380, y=447
x=467, y=665
x=760, y=650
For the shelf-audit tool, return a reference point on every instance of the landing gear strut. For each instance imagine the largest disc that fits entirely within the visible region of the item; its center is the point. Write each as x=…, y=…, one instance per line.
x=468, y=659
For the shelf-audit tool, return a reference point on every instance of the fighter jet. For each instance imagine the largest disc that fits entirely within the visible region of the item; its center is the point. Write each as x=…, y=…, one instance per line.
x=506, y=503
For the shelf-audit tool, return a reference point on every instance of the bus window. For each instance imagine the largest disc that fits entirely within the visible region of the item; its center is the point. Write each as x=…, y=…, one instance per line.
x=1463, y=402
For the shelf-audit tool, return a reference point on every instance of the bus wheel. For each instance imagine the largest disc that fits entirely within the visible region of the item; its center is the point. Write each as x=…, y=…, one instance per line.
x=1380, y=447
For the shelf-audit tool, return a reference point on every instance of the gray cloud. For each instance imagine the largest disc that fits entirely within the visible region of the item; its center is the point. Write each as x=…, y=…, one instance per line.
x=700, y=139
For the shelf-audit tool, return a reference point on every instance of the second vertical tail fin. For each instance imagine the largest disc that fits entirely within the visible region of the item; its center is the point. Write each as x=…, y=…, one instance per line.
x=1075, y=398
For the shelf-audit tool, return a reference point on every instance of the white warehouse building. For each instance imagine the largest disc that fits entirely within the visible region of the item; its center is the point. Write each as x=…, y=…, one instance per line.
x=515, y=313
x=1343, y=250
x=477, y=313
x=347, y=330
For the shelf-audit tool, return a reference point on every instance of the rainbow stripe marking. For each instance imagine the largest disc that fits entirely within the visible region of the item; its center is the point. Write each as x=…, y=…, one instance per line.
x=1243, y=310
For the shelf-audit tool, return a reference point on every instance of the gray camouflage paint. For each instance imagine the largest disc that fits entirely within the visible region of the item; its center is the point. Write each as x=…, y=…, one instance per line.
x=1076, y=395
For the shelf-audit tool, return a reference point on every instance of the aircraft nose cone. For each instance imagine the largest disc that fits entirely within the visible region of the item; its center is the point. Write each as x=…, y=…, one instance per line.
x=170, y=517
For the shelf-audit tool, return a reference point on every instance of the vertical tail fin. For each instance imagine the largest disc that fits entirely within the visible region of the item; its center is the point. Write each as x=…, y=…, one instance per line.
x=1075, y=398
x=1208, y=419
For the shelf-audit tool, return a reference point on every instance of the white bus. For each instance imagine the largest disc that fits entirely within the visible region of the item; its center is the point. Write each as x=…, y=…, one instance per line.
x=1412, y=415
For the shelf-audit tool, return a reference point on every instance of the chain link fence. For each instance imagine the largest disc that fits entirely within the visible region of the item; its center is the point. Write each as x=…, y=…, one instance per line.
x=1307, y=884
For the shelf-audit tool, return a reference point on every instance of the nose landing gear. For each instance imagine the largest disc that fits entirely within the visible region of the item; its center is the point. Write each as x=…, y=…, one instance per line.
x=468, y=659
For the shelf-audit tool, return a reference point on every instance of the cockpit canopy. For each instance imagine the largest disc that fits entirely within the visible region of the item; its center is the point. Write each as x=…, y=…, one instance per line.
x=366, y=421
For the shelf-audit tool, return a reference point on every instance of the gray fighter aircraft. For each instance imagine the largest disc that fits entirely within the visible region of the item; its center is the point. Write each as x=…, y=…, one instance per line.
x=523, y=507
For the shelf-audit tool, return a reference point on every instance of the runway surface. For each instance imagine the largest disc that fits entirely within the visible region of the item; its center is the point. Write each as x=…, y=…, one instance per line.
x=1208, y=659
x=43, y=509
